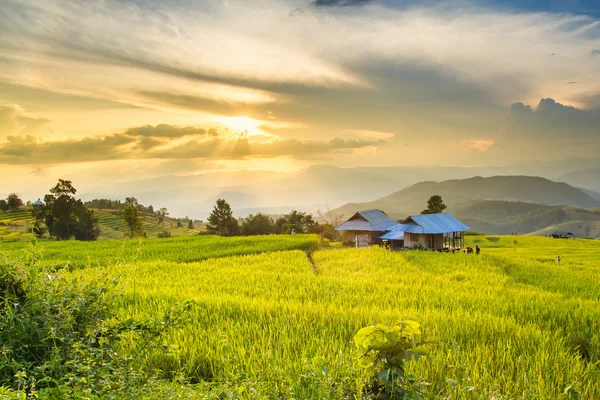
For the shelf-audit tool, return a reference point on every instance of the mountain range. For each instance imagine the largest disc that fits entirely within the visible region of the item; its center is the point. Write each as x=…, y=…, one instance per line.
x=498, y=205
x=321, y=187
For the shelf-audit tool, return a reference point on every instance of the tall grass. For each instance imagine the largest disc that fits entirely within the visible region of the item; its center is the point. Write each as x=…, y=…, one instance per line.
x=507, y=326
x=510, y=323
x=180, y=249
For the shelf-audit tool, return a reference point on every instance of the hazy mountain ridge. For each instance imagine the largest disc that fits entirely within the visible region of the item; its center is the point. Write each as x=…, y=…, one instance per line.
x=498, y=205
x=317, y=187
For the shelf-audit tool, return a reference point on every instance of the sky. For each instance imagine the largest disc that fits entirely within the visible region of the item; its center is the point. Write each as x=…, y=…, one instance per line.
x=117, y=90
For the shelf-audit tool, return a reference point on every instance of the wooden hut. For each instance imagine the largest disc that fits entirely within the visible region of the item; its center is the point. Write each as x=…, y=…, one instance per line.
x=428, y=231
x=365, y=227
x=563, y=235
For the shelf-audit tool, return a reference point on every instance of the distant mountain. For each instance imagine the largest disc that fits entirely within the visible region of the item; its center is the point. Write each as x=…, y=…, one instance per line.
x=320, y=186
x=500, y=204
x=505, y=217
x=586, y=178
x=594, y=195
x=508, y=188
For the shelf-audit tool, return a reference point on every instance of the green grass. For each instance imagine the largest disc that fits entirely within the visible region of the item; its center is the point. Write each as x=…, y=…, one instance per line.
x=78, y=254
x=15, y=225
x=510, y=323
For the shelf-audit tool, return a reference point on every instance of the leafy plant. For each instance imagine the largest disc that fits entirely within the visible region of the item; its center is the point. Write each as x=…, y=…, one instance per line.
x=60, y=334
x=391, y=347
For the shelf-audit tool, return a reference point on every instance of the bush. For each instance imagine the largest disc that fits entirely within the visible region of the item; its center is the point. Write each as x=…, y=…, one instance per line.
x=59, y=334
x=164, y=234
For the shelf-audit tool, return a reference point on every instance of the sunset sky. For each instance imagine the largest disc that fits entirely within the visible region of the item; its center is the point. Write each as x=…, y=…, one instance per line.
x=117, y=89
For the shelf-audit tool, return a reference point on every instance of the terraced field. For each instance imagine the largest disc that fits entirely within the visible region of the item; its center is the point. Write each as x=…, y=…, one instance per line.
x=14, y=225
x=272, y=322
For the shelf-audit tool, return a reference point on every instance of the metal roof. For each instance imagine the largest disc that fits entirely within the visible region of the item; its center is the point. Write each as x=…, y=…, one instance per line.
x=394, y=233
x=368, y=220
x=433, y=224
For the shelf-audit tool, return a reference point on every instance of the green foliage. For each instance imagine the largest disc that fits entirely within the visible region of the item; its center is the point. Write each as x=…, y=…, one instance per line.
x=3, y=205
x=164, y=234
x=221, y=221
x=391, y=347
x=60, y=335
x=435, y=205
x=133, y=221
x=190, y=224
x=13, y=202
x=67, y=217
x=472, y=232
x=161, y=214
x=299, y=222
x=259, y=224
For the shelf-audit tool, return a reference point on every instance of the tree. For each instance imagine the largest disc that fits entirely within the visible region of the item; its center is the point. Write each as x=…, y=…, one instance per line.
x=133, y=221
x=3, y=205
x=161, y=214
x=14, y=201
x=435, y=205
x=258, y=224
x=221, y=221
x=66, y=216
x=300, y=222
x=190, y=224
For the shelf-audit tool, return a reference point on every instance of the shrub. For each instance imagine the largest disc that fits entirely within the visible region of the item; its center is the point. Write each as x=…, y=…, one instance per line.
x=390, y=347
x=59, y=334
x=164, y=234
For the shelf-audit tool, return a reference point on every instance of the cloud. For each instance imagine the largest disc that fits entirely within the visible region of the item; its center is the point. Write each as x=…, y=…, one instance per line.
x=340, y=3
x=596, y=52
x=150, y=142
x=551, y=120
x=206, y=54
x=481, y=144
x=168, y=131
x=14, y=120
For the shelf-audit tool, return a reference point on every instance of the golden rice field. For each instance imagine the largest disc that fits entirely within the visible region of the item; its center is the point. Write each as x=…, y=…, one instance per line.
x=510, y=323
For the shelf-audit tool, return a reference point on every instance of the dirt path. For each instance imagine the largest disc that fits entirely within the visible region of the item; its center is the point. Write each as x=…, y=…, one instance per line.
x=312, y=262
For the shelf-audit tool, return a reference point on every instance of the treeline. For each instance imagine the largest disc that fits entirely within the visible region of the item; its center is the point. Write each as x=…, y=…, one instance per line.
x=222, y=222
x=107, y=204
x=63, y=216
x=11, y=203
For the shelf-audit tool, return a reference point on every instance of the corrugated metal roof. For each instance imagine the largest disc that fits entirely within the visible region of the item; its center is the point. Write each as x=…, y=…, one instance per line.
x=433, y=224
x=368, y=220
x=396, y=232
x=355, y=225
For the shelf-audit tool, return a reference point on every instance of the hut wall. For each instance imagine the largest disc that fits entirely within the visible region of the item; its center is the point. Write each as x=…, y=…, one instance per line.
x=428, y=241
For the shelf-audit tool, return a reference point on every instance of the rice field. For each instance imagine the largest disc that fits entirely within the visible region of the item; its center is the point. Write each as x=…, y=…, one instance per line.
x=271, y=322
x=184, y=249
x=15, y=226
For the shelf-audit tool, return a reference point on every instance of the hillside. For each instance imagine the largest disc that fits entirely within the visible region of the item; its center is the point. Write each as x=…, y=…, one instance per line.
x=14, y=226
x=586, y=178
x=504, y=217
x=499, y=205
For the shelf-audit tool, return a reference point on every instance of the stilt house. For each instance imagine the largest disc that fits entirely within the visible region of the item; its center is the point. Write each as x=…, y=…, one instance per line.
x=365, y=227
x=430, y=231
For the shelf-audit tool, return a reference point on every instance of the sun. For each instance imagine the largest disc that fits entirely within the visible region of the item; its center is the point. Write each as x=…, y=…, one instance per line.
x=242, y=124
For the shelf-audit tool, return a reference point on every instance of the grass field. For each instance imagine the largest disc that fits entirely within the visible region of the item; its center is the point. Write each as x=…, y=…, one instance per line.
x=15, y=226
x=510, y=323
